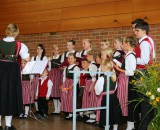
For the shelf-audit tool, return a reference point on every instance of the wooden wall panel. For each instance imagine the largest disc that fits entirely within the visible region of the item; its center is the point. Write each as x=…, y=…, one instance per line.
x=70, y=3
x=36, y=16
x=36, y=27
x=153, y=17
x=11, y=1
x=145, y=5
x=97, y=10
x=29, y=6
x=97, y=22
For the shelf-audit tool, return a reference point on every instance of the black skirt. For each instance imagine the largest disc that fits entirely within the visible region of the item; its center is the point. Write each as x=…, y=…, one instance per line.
x=10, y=88
x=115, y=113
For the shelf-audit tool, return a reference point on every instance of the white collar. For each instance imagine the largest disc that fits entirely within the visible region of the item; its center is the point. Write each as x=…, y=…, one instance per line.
x=9, y=39
x=142, y=38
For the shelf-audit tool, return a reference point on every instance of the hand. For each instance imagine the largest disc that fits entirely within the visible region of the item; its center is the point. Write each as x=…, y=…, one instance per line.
x=47, y=98
x=27, y=59
x=91, y=88
x=36, y=97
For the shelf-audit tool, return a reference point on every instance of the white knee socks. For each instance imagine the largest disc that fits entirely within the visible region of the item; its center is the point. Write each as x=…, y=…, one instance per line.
x=8, y=120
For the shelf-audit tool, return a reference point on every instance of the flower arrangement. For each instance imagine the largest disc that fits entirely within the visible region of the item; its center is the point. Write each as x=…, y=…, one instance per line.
x=149, y=86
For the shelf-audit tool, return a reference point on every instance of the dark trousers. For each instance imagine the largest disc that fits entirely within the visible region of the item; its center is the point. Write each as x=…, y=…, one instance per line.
x=43, y=106
x=147, y=113
x=80, y=97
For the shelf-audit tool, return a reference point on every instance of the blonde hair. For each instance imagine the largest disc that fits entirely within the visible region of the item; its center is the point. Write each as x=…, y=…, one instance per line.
x=86, y=40
x=119, y=39
x=108, y=52
x=110, y=65
x=93, y=53
x=105, y=42
x=12, y=30
x=55, y=46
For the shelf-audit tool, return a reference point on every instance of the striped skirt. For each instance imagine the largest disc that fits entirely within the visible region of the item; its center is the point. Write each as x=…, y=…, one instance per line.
x=89, y=98
x=56, y=76
x=27, y=92
x=67, y=97
x=122, y=92
x=35, y=83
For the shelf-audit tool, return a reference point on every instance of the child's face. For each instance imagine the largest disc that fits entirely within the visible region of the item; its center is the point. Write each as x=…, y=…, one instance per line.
x=125, y=46
x=85, y=65
x=103, y=56
x=117, y=44
x=86, y=45
x=104, y=45
x=90, y=57
x=139, y=33
x=71, y=60
x=98, y=60
x=104, y=68
x=70, y=46
x=56, y=51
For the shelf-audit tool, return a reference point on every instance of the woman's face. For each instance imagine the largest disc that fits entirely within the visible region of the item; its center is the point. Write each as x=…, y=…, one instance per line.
x=56, y=51
x=125, y=46
x=39, y=50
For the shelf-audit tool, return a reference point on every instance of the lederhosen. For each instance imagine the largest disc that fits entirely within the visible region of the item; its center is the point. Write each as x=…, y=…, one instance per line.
x=115, y=113
x=56, y=77
x=10, y=79
x=144, y=106
x=67, y=96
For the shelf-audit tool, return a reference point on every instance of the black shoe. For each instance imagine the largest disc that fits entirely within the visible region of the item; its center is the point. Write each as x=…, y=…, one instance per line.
x=10, y=128
x=1, y=128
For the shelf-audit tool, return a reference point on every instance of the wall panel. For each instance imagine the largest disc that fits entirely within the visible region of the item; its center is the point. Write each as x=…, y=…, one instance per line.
x=145, y=5
x=27, y=17
x=70, y=3
x=32, y=5
x=97, y=10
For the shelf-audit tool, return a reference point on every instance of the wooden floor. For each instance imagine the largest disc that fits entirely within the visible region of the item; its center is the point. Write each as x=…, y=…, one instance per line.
x=52, y=123
x=56, y=122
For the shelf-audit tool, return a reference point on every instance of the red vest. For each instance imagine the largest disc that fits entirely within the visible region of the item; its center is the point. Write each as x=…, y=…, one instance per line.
x=43, y=88
x=137, y=50
x=83, y=79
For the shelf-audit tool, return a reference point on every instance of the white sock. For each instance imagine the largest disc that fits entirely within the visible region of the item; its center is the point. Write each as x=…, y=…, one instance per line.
x=26, y=110
x=0, y=120
x=58, y=106
x=115, y=127
x=55, y=105
x=36, y=105
x=8, y=120
x=130, y=125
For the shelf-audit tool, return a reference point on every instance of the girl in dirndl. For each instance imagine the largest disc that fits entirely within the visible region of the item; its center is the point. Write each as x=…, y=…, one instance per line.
x=55, y=75
x=27, y=92
x=40, y=56
x=125, y=91
x=86, y=47
x=67, y=87
x=89, y=96
x=115, y=113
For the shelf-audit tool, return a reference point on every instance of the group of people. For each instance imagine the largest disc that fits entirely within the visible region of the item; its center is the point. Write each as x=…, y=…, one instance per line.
x=56, y=82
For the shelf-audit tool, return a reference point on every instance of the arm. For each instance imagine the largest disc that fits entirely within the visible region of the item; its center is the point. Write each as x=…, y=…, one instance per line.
x=99, y=86
x=50, y=84
x=24, y=52
x=145, y=53
x=93, y=67
x=130, y=65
